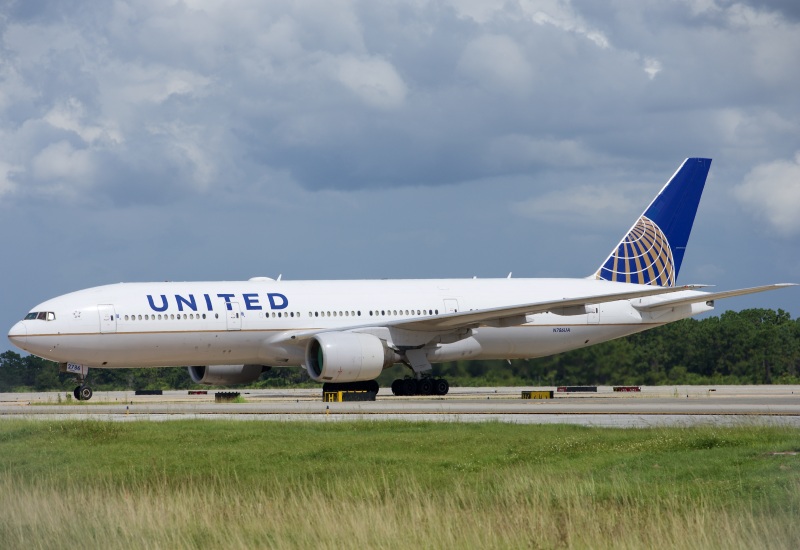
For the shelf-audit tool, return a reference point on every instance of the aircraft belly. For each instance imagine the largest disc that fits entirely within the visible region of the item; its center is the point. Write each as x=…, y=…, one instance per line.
x=130, y=350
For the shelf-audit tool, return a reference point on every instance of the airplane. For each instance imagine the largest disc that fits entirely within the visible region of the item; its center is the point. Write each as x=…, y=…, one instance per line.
x=346, y=332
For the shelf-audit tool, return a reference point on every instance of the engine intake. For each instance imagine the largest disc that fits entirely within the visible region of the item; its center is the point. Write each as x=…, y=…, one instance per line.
x=224, y=375
x=347, y=357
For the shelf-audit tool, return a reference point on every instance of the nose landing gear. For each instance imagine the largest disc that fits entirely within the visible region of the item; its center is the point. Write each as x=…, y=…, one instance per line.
x=82, y=392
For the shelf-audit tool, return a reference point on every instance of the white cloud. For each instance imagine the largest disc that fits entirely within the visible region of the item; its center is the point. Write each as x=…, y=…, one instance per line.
x=496, y=61
x=771, y=193
x=562, y=15
x=652, y=67
x=584, y=205
x=70, y=115
x=63, y=170
x=374, y=80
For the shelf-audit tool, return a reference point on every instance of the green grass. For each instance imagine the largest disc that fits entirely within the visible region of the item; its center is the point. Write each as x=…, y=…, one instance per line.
x=233, y=484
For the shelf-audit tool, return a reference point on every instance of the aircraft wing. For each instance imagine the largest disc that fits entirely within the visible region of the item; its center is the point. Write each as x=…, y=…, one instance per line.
x=706, y=297
x=510, y=314
x=500, y=316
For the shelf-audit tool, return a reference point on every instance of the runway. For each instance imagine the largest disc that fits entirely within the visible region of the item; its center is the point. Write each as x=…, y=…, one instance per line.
x=653, y=406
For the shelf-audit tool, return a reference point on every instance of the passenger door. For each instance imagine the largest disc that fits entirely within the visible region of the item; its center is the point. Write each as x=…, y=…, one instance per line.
x=234, y=317
x=108, y=318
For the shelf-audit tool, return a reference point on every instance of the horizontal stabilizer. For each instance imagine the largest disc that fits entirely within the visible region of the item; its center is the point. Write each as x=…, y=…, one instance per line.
x=707, y=297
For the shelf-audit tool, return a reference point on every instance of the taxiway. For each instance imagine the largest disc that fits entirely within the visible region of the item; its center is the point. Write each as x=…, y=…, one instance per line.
x=653, y=406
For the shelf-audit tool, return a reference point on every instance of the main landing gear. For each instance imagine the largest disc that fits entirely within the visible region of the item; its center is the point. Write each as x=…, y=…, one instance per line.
x=421, y=383
x=423, y=386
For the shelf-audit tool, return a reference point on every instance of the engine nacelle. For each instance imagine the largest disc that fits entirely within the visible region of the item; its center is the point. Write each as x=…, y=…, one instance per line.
x=224, y=375
x=347, y=357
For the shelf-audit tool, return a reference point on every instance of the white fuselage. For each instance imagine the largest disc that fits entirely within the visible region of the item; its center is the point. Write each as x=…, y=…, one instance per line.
x=252, y=322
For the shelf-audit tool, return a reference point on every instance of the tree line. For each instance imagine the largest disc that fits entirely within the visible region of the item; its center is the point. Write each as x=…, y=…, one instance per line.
x=753, y=346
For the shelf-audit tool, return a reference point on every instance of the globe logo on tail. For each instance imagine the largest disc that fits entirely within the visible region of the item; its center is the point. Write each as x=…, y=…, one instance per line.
x=643, y=257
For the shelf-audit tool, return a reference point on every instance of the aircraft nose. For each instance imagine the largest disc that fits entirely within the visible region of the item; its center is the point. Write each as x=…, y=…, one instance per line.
x=18, y=334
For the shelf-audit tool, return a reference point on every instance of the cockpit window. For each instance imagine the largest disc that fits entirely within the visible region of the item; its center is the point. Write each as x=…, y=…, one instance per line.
x=42, y=315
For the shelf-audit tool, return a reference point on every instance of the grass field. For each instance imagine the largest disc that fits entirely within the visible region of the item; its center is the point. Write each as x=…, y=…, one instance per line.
x=233, y=484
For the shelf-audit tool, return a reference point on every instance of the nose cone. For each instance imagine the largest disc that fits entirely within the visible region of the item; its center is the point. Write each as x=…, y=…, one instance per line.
x=18, y=335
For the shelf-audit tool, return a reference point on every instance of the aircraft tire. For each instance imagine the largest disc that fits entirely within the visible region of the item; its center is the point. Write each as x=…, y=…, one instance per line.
x=424, y=386
x=397, y=387
x=84, y=393
x=76, y=393
x=441, y=386
x=409, y=386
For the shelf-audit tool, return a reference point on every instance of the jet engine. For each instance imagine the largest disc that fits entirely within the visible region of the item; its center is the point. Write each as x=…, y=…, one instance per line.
x=347, y=357
x=224, y=375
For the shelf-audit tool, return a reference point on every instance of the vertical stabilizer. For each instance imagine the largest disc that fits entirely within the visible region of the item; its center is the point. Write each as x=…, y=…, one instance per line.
x=652, y=251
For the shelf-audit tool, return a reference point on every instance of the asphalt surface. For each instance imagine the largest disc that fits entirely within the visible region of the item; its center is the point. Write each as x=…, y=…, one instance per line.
x=653, y=406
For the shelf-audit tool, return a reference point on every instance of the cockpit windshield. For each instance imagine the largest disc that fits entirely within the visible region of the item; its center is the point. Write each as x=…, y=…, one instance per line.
x=41, y=315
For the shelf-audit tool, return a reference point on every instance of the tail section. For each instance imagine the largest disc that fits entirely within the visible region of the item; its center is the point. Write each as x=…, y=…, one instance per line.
x=652, y=251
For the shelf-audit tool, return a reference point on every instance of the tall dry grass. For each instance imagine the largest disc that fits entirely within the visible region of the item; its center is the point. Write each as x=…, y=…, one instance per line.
x=521, y=510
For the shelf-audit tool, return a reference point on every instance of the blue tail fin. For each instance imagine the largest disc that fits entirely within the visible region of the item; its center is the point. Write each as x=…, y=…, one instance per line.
x=652, y=251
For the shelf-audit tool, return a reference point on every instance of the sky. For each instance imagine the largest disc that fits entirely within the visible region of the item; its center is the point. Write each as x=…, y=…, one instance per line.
x=330, y=139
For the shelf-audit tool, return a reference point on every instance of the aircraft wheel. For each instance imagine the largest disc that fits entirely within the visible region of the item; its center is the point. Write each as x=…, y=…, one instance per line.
x=397, y=387
x=424, y=386
x=409, y=386
x=84, y=393
x=441, y=386
x=77, y=393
